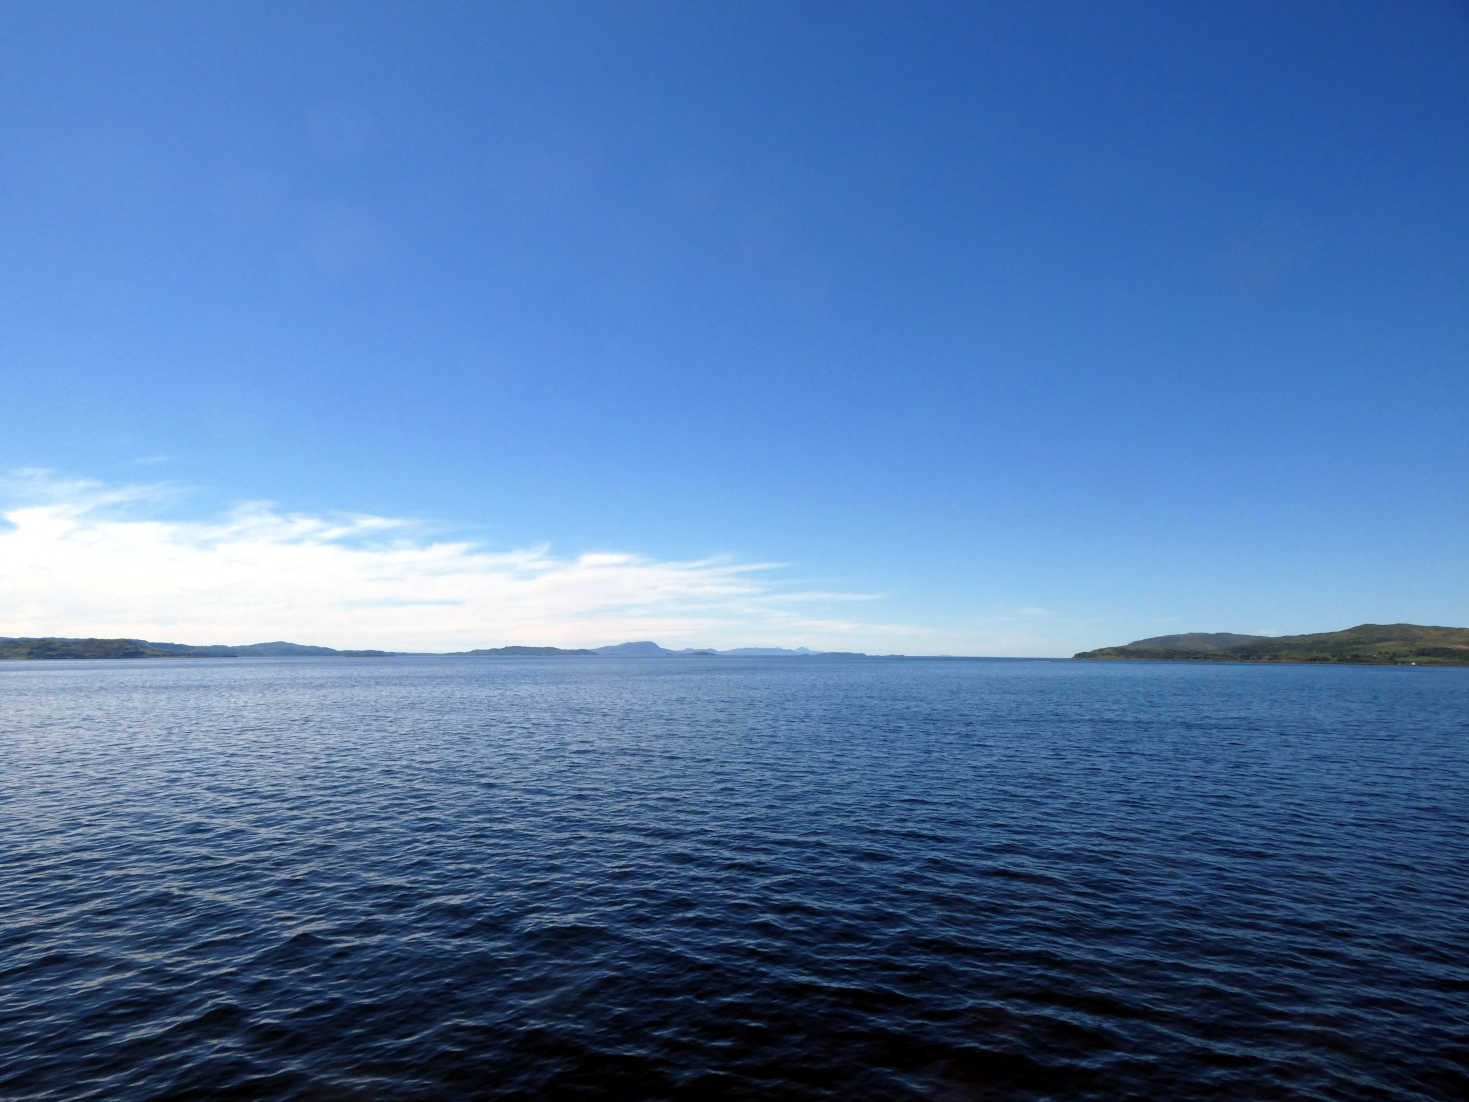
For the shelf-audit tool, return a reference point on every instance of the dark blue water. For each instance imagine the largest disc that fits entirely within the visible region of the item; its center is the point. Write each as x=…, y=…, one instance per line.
x=428, y=878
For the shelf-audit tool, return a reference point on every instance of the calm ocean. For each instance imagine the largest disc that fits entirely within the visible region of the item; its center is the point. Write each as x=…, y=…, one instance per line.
x=746, y=878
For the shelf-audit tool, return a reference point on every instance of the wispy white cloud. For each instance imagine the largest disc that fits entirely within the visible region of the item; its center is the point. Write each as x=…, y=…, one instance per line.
x=81, y=557
x=822, y=595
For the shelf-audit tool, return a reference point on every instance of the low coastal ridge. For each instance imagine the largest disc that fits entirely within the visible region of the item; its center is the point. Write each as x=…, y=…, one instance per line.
x=57, y=647
x=1365, y=644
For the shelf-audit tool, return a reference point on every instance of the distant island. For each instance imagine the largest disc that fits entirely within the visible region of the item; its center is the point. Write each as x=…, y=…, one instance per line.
x=1365, y=644
x=59, y=648
x=55, y=647
x=521, y=652
x=647, y=649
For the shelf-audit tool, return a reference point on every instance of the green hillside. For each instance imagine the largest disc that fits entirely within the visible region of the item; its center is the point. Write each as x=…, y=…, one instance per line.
x=51, y=647
x=1371, y=644
x=1197, y=642
x=104, y=648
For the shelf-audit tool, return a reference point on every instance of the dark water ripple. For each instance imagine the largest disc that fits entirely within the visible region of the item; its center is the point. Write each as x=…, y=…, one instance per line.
x=766, y=878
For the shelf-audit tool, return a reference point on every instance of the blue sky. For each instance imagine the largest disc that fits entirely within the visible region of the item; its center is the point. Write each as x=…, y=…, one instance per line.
x=993, y=329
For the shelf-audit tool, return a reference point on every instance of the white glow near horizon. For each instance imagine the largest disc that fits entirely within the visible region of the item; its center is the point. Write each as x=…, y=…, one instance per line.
x=82, y=558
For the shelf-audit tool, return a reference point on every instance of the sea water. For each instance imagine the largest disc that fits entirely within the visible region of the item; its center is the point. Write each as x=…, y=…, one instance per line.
x=743, y=878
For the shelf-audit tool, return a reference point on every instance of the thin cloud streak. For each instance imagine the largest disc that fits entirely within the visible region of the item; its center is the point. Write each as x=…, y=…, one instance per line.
x=78, y=557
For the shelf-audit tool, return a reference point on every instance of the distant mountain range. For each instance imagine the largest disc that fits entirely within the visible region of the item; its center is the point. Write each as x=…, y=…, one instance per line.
x=635, y=650
x=1369, y=644
x=647, y=649
x=521, y=652
x=55, y=647
x=653, y=650
x=1381, y=644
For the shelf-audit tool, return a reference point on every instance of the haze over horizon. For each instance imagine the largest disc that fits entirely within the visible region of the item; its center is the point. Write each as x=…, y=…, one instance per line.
x=1015, y=332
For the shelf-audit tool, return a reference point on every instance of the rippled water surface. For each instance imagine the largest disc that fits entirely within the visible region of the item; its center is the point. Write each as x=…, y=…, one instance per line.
x=695, y=878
